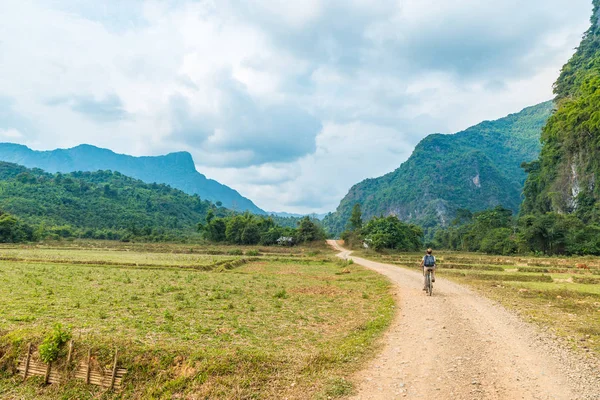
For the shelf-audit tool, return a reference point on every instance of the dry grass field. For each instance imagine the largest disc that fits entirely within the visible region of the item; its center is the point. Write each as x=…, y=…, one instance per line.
x=192, y=321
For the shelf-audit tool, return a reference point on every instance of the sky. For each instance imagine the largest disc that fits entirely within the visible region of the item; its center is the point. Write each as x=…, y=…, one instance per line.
x=289, y=102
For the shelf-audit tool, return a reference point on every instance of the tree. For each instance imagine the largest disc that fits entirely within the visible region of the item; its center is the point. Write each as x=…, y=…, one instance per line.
x=215, y=230
x=12, y=230
x=462, y=217
x=251, y=234
x=308, y=231
x=391, y=233
x=356, y=221
x=210, y=214
x=234, y=230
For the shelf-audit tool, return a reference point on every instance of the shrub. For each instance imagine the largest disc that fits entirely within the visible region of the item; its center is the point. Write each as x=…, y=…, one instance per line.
x=50, y=347
x=391, y=233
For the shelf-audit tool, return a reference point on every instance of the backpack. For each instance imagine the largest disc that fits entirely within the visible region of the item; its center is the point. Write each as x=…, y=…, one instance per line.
x=429, y=260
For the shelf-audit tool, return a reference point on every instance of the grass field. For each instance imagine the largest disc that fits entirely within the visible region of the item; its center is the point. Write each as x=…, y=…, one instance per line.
x=562, y=294
x=193, y=322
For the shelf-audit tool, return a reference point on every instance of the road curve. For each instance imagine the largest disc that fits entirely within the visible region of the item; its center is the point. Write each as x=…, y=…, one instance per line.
x=459, y=345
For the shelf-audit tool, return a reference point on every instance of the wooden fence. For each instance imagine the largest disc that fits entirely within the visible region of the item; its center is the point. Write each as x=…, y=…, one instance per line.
x=88, y=370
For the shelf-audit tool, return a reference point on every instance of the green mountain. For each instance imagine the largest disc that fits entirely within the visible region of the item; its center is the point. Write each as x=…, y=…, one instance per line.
x=175, y=169
x=566, y=177
x=476, y=169
x=102, y=204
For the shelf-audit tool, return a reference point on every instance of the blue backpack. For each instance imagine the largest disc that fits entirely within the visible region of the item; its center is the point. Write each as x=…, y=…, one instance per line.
x=429, y=260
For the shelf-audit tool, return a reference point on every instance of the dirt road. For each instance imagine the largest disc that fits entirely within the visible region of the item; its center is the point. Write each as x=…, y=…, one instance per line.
x=459, y=345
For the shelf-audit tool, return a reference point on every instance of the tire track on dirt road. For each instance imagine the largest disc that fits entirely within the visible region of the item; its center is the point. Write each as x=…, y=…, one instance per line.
x=460, y=345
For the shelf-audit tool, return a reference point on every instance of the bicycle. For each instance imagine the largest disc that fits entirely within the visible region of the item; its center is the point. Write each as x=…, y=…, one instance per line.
x=428, y=283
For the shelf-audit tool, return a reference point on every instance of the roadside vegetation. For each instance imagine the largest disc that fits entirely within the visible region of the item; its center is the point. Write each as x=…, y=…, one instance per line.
x=203, y=321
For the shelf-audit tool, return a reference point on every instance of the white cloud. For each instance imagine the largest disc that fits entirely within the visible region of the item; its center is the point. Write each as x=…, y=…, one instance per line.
x=344, y=155
x=289, y=102
x=10, y=134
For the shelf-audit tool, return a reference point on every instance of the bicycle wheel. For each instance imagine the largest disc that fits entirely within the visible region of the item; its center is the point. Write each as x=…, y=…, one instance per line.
x=429, y=284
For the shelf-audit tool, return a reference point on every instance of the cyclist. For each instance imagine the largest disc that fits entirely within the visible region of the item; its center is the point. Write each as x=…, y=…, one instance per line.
x=428, y=263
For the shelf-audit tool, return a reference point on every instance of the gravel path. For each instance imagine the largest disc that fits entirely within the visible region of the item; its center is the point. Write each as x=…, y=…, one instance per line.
x=459, y=345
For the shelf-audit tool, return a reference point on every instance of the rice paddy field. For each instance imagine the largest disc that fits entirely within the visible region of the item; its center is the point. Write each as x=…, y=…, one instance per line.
x=560, y=294
x=197, y=322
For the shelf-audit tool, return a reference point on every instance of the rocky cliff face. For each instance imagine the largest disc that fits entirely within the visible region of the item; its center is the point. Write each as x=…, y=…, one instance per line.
x=175, y=169
x=566, y=178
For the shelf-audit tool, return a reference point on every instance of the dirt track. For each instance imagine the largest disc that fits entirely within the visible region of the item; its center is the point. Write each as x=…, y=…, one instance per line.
x=459, y=345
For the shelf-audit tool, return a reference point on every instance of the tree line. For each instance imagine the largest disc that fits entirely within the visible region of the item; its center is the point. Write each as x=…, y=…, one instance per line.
x=250, y=229
x=498, y=231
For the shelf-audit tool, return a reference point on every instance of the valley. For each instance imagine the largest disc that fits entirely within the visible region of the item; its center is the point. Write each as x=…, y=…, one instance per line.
x=127, y=272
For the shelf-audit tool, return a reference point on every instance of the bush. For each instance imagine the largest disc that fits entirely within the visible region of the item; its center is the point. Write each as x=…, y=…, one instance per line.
x=50, y=347
x=391, y=233
x=12, y=230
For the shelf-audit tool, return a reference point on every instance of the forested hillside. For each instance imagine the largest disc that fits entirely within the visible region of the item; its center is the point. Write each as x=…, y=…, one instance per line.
x=176, y=170
x=566, y=178
x=476, y=169
x=109, y=205
x=102, y=204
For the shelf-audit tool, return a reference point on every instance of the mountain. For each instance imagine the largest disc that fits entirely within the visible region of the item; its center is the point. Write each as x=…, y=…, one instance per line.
x=293, y=215
x=175, y=169
x=101, y=204
x=475, y=169
x=566, y=177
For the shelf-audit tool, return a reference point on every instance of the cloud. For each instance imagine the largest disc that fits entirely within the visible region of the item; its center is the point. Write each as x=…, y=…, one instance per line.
x=10, y=134
x=107, y=109
x=255, y=133
x=474, y=40
x=13, y=125
x=344, y=154
x=256, y=90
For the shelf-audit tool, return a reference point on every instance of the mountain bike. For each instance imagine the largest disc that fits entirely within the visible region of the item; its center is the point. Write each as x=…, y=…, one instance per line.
x=428, y=283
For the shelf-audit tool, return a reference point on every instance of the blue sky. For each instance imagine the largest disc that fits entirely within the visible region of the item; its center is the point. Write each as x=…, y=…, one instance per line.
x=289, y=102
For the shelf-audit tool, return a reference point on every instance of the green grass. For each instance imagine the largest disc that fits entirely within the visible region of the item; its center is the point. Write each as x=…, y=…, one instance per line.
x=495, y=276
x=281, y=325
x=572, y=289
x=111, y=257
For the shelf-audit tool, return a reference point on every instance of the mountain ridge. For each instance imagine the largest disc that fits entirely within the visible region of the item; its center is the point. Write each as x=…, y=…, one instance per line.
x=176, y=169
x=477, y=168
